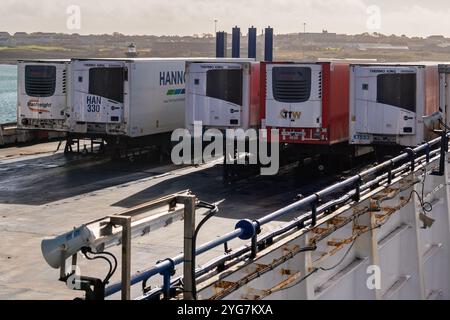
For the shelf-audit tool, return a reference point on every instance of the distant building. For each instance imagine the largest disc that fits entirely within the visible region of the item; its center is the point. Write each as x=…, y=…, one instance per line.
x=436, y=39
x=132, y=51
x=20, y=35
x=5, y=39
x=439, y=37
x=21, y=38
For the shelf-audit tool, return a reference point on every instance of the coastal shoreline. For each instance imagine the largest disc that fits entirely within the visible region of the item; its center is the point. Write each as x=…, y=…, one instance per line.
x=8, y=62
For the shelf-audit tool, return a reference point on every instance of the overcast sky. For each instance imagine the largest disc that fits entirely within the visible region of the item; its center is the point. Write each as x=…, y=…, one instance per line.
x=188, y=17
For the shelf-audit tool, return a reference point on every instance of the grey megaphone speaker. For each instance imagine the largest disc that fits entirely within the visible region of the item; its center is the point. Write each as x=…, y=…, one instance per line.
x=62, y=247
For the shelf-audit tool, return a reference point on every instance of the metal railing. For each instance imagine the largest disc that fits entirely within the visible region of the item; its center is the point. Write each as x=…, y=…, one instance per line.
x=250, y=230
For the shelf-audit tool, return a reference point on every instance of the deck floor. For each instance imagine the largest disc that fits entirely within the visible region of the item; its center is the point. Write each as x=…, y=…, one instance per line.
x=44, y=193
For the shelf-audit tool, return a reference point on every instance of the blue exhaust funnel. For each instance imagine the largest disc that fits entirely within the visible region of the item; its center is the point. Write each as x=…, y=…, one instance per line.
x=236, y=44
x=252, y=42
x=268, y=52
x=221, y=45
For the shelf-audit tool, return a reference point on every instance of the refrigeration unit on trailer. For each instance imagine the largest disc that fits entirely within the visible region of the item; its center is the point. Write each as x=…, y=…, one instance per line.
x=388, y=103
x=307, y=103
x=130, y=98
x=43, y=93
x=223, y=95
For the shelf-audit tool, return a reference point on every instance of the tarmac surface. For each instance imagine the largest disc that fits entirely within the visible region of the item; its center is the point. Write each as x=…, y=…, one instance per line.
x=44, y=193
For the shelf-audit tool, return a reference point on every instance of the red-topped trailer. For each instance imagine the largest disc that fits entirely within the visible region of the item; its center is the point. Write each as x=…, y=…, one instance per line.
x=309, y=104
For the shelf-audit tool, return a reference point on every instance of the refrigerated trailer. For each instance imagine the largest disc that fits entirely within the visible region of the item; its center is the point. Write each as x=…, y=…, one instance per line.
x=43, y=91
x=306, y=102
x=388, y=103
x=130, y=98
x=223, y=95
x=129, y=102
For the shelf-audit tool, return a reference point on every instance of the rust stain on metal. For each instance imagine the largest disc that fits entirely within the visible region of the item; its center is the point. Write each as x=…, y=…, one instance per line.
x=222, y=285
x=380, y=196
x=282, y=284
x=360, y=228
x=337, y=220
x=286, y=272
x=380, y=217
x=313, y=241
x=293, y=249
x=253, y=294
x=340, y=242
x=388, y=211
x=337, y=244
x=260, y=267
x=374, y=206
x=320, y=231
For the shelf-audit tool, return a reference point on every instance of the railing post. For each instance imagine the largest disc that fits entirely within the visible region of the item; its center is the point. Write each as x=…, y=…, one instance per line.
x=314, y=214
x=125, y=222
x=444, y=150
x=189, y=230
x=391, y=166
x=427, y=153
x=254, y=246
x=412, y=158
x=357, y=196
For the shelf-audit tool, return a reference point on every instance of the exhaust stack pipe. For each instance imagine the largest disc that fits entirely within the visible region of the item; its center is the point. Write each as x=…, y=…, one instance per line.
x=221, y=45
x=268, y=52
x=236, y=42
x=252, y=42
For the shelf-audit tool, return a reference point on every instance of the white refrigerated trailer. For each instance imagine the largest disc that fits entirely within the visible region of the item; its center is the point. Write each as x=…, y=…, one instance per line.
x=131, y=102
x=223, y=94
x=127, y=97
x=43, y=91
x=388, y=103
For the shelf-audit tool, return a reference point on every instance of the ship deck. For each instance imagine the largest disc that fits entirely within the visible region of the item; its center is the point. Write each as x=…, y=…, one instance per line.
x=44, y=193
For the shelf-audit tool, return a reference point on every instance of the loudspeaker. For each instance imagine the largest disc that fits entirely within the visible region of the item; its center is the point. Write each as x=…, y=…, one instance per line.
x=67, y=244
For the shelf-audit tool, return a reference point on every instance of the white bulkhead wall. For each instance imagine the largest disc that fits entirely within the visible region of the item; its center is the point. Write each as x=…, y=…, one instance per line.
x=381, y=250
